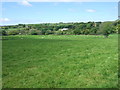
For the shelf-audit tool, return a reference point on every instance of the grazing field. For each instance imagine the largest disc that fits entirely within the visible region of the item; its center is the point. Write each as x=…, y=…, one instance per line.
x=60, y=61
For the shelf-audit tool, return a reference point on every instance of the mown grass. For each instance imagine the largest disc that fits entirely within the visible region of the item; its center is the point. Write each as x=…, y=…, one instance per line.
x=66, y=61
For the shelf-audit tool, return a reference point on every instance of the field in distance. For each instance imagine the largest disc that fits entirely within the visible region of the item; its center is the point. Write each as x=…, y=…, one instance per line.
x=60, y=61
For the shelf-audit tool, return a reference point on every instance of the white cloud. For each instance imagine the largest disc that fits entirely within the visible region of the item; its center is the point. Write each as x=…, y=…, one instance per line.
x=25, y=3
x=91, y=10
x=4, y=20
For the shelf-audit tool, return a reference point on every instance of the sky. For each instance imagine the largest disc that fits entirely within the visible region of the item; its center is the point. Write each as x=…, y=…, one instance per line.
x=53, y=12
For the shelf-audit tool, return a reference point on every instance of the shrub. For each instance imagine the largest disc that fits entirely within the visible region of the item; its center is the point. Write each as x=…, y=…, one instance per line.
x=33, y=32
x=58, y=32
x=48, y=32
x=93, y=31
x=106, y=28
x=77, y=32
x=3, y=32
x=13, y=32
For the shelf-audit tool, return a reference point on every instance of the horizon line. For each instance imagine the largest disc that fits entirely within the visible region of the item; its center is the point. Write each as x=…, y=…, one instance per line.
x=55, y=22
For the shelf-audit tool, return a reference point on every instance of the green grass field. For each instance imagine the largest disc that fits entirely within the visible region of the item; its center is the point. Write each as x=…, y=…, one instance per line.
x=63, y=61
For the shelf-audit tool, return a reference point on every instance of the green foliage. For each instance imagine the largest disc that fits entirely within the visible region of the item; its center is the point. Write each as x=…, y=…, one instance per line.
x=86, y=31
x=93, y=31
x=13, y=32
x=106, y=28
x=33, y=32
x=68, y=32
x=48, y=32
x=118, y=26
x=43, y=32
x=77, y=31
x=89, y=28
x=4, y=32
x=58, y=32
x=82, y=26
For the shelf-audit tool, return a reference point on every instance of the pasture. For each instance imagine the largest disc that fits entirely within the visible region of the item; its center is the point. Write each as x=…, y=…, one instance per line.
x=60, y=61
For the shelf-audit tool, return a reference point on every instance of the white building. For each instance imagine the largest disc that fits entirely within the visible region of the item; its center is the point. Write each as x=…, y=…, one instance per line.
x=64, y=29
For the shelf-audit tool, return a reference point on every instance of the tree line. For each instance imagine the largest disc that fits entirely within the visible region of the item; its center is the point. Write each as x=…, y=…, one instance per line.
x=77, y=28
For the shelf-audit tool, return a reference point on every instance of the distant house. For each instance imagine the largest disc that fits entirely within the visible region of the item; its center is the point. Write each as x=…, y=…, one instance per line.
x=64, y=29
x=26, y=26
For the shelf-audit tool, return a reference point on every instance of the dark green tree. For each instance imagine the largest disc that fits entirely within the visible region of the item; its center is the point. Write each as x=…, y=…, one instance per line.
x=4, y=32
x=106, y=28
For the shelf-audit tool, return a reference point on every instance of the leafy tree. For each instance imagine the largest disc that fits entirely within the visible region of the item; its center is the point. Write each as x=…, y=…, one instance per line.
x=58, y=32
x=82, y=26
x=42, y=32
x=77, y=31
x=89, y=26
x=77, y=28
x=106, y=28
x=93, y=30
x=4, y=32
x=48, y=32
x=86, y=31
x=13, y=32
x=33, y=32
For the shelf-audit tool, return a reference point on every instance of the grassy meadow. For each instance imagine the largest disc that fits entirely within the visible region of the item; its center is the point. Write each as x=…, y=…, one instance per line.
x=60, y=61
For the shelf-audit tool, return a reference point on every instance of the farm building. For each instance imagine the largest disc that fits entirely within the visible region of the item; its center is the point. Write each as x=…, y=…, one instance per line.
x=64, y=29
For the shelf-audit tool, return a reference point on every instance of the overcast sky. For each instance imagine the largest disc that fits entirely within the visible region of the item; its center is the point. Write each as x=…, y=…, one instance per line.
x=45, y=12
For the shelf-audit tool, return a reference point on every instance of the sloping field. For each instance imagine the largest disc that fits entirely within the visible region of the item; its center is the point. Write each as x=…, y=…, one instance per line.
x=63, y=61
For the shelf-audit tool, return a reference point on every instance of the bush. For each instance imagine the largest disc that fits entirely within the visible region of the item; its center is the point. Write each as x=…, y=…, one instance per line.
x=58, y=32
x=86, y=31
x=48, y=32
x=13, y=32
x=77, y=32
x=33, y=32
x=106, y=28
x=93, y=31
x=4, y=33
x=69, y=32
